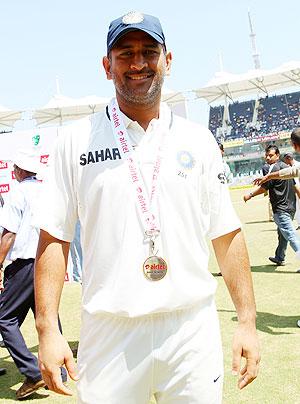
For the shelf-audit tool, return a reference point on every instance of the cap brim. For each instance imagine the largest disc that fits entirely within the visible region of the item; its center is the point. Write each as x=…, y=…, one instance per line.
x=127, y=30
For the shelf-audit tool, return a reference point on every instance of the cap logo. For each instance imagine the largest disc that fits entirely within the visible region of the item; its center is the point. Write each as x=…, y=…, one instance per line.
x=134, y=17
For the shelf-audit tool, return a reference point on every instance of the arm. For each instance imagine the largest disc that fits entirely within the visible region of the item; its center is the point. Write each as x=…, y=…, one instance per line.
x=297, y=190
x=257, y=191
x=54, y=351
x=7, y=241
x=232, y=257
x=284, y=174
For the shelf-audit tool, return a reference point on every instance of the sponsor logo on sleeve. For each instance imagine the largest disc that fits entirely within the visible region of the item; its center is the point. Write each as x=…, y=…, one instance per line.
x=4, y=188
x=3, y=165
x=222, y=178
x=44, y=159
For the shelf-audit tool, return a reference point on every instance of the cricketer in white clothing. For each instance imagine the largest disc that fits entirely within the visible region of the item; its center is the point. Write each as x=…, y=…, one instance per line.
x=148, y=189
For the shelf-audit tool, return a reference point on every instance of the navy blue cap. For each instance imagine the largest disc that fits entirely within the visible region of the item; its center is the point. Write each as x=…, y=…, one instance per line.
x=131, y=22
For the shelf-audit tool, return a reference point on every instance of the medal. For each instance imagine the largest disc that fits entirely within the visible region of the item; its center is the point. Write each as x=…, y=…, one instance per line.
x=155, y=268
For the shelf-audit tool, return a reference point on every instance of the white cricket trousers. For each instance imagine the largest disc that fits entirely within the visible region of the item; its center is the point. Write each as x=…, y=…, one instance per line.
x=177, y=357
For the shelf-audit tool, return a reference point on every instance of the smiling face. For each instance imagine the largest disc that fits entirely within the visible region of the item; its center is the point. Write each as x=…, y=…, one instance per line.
x=137, y=64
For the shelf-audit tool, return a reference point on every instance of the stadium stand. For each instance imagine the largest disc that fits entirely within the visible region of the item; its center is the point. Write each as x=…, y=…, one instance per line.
x=251, y=125
x=254, y=118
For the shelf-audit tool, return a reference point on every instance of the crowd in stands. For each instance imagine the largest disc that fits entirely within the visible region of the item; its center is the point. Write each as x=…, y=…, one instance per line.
x=254, y=118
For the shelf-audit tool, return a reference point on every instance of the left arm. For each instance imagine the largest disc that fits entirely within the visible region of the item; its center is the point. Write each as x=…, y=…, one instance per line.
x=7, y=240
x=297, y=190
x=232, y=257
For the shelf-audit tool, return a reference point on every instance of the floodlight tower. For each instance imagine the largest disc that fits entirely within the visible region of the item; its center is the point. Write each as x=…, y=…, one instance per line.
x=257, y=65
x=255, y=54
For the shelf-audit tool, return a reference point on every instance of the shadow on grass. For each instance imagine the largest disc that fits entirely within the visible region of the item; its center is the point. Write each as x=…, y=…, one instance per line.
x=13, y=377
x=271, y=269
x=10, y=379
x=266, y=322
x=259, y=221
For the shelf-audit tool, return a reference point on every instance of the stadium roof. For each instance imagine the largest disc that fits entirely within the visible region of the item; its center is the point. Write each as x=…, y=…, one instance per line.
x=253, y=82
x=8, y=117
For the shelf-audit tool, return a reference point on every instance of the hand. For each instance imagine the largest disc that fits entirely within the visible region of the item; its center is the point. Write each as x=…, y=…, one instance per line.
x=1, y=279
x=246, y=345
x=55, y=352
x=261, y=180
x=247, y=197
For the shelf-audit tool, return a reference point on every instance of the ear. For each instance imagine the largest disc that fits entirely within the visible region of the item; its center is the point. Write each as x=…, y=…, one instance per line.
x=168, y=63
x=106, y=65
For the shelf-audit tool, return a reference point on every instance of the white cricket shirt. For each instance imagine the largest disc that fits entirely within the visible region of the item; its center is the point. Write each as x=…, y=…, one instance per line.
x=16, y=217
x=88, y=179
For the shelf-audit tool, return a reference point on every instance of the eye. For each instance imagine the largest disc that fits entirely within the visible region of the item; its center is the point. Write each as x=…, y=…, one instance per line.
x=150, y=52
x=126, y=53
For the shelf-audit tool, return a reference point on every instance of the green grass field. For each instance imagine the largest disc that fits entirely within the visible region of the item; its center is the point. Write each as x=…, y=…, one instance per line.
x=278, y=308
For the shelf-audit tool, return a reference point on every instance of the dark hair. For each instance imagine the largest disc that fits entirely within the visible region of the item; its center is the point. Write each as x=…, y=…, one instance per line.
x=272, y=147
x=221, y=146
x=295, y=136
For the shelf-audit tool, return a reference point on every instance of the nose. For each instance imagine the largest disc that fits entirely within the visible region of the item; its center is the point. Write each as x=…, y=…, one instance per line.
x=138, y=62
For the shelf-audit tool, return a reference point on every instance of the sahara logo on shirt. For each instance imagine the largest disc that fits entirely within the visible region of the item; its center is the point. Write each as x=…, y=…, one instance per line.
x=100, y=155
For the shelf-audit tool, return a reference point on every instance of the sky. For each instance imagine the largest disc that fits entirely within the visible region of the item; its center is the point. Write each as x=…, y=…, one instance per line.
x=42, y=40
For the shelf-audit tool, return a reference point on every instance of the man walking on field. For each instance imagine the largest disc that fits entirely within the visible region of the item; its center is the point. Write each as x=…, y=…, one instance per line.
x=147, y=187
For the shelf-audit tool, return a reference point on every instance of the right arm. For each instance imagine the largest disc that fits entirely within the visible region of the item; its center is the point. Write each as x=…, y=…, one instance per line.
x=54, y=351
x=257, y=191
x=284, y=174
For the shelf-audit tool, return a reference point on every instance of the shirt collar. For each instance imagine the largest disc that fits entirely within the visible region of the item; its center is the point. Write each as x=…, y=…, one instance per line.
x=165, y=117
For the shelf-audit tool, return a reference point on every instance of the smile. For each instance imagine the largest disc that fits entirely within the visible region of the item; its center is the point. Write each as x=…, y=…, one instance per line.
x=139, y=76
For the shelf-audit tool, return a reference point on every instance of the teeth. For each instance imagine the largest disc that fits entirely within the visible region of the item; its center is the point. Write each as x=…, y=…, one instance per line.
x=138, y=77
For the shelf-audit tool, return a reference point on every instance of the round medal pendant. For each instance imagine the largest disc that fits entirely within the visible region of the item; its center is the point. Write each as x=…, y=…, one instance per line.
x=155, y=268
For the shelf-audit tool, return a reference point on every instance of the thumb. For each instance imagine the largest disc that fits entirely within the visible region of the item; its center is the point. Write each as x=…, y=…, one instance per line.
x=71, y=368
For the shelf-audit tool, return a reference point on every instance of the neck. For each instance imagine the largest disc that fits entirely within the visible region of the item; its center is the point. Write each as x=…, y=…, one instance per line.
x=143, y=114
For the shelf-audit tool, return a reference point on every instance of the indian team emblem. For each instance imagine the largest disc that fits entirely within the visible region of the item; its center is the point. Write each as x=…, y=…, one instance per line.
x=36, y=139
x=134, y=17
x=186, y=160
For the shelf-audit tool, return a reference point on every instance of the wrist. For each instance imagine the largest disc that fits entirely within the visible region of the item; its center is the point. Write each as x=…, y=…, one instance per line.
x=251, y=195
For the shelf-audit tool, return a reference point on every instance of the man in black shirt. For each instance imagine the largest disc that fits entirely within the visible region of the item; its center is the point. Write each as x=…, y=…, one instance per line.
x=283, y=200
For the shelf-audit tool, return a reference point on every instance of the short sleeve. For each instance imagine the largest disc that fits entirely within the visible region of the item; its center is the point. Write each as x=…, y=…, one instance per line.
x=12, y=212
x=223, y=218
x=57, y=211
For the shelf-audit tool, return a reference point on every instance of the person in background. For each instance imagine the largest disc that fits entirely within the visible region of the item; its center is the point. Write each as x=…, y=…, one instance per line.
x=282, y=196
x=285, y=173
x=288, y=158
x=226, y=169
x=18, y=244
x=2, y=345
x=148, y=188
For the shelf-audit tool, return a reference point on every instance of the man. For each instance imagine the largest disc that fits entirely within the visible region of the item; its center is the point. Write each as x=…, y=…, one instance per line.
x=18, y=245
x=285, y=173
x=147, y=187
x=283, y=201
x=289, y=160
x=227, y=172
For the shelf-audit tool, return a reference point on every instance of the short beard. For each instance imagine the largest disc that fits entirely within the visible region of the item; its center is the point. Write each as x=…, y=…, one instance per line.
x=150, y=98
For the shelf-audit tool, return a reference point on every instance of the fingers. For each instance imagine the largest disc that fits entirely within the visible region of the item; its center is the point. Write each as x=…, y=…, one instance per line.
x=53, y=380
x=71, y=368
x=236, y=362
x=248, y=373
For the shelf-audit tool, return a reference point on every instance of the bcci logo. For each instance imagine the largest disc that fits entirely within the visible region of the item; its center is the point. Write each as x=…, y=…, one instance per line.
x=36, y=140
x=186, y=160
